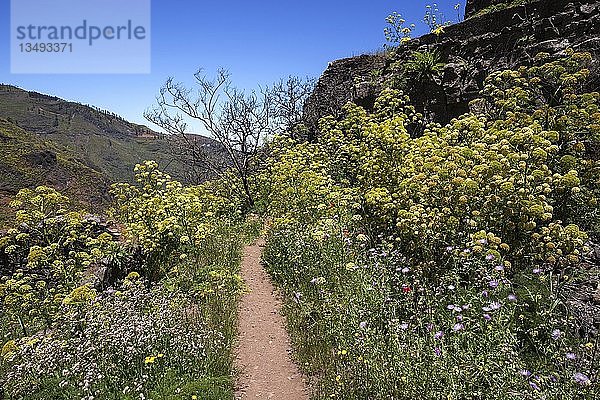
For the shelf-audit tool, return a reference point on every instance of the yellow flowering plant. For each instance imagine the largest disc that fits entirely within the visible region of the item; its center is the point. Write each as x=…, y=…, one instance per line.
x=438, y=264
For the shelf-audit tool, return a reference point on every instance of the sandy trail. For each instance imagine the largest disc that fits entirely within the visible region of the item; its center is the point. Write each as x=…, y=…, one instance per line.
x=263, y=354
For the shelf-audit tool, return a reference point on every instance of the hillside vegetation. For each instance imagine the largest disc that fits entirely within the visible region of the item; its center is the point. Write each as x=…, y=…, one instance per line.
x=449, y=264
x=29, y=160
x=102, y=140
x=75, y=147
x=446, y=265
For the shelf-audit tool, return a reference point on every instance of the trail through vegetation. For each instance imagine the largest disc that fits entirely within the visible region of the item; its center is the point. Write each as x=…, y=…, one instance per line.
x=267, y=371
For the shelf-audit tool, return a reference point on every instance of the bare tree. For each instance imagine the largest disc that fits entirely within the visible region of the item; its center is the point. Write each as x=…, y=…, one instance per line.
x=288, y=100
x=239, y=122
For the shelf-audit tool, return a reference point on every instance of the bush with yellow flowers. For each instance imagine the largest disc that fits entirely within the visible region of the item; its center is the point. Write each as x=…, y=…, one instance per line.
x=165, y=218
x=43, y=258
x=166, y=330
x=440, y=266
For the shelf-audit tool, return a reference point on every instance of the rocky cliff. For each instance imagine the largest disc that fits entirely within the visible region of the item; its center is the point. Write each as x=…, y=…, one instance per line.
x=497, y=34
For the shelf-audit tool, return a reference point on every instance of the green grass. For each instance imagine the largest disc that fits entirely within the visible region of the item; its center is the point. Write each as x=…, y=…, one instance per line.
x=499, y=7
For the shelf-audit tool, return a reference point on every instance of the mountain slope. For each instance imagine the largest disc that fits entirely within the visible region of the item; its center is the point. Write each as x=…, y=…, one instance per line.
x=103, y=141
x=78, y=149
x=29, y=161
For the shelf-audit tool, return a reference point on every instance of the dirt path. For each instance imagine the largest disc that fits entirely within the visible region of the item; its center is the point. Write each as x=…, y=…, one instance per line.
x=263, y=355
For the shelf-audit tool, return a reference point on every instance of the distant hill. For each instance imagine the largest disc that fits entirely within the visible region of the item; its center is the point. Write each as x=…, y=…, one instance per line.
x=102, y=140
x=29, y=160
x=78, y=148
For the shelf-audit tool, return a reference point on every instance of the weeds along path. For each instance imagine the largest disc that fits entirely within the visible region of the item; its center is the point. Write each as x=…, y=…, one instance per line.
x=263, y=354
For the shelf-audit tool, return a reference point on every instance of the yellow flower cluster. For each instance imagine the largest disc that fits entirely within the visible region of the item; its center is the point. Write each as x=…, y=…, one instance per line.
x=517, y=167
x=152, y=359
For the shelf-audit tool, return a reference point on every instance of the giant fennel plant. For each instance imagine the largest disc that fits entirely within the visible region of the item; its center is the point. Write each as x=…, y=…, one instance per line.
x=440, y=266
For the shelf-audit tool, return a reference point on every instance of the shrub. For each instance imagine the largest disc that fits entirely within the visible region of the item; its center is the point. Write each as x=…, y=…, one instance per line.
x=165, y=332
x=44, y=257
x=165, y=218
x=120, y=344
x=472, y=231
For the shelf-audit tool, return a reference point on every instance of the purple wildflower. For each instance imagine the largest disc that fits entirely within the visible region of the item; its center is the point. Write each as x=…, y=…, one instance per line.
x=404, y=326
x=482, y=241
x=430, y=327
x=297, y=296
x=484, y=293
x=499, y=268
x=487, y=317
x=582, y=379
x=405, y=270
x=438, y=335
x=459, y=317
x=362, y=325
x=492, y=307
x=490, y=257
x=512, y=297
x=537, y=270
x=493, y=284
x=534, y=386
x=556, y=333
x=449, y=249
x=571, y=356
x=314, y=280
x=524, y=372
x=438, y=351
x=466, y=306
x=458, y=327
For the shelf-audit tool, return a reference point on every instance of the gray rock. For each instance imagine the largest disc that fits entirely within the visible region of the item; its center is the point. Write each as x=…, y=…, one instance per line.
x=472, y=49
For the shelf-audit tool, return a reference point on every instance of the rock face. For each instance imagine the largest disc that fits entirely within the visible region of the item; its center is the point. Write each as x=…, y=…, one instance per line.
x=472, y=49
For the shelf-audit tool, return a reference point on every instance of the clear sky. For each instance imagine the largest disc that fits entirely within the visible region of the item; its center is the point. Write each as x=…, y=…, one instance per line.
x=259, y=42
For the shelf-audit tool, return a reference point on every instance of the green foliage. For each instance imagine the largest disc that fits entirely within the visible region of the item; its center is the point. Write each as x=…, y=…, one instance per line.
x=44, y=258
x=473, y=229
x=176, y=317
x=424, y=66
x=368, y=325
x=165, y=218
x=126, y=344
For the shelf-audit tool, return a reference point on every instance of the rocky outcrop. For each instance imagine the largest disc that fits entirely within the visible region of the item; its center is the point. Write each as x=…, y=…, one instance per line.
x=493, y=41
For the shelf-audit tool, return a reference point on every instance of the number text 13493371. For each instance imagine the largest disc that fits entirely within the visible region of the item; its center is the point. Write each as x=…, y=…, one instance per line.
x=46, y=47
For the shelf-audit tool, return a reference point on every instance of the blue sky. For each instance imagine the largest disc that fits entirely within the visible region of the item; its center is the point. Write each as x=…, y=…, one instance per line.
x=259, y=42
